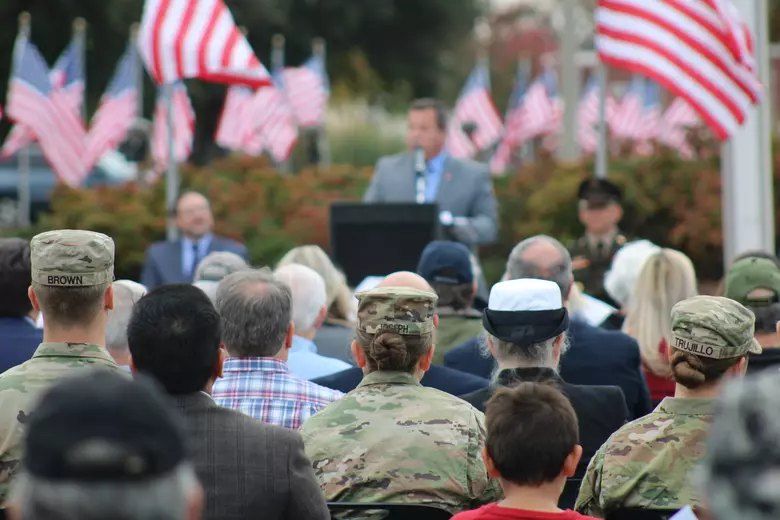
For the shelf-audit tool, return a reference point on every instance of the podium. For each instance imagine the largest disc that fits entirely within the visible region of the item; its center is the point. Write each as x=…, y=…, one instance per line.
x=378, y=239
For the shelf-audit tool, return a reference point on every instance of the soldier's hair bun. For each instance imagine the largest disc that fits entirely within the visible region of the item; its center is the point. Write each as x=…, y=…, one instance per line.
x=388, y=351
x=693, y=371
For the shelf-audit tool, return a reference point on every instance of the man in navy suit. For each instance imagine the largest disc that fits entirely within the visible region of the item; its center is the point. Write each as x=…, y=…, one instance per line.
x=596, y=356
x=175, y=262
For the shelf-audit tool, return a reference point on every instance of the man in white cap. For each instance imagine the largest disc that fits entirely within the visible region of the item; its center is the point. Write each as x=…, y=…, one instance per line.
x=526, y=323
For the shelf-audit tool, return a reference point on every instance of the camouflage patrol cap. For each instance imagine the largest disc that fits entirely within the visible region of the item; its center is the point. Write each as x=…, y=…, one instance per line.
x=402, y=310
x=72, y=258
x=713, y=327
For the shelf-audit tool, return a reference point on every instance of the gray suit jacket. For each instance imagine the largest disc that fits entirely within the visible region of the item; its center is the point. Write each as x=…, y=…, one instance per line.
x=249, y=469
x=466, y=190
x=163, y=260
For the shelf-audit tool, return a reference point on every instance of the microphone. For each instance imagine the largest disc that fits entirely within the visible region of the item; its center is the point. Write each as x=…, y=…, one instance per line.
x=419, y=174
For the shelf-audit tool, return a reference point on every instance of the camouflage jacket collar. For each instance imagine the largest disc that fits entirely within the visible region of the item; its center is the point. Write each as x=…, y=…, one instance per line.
x=389, y=377
x=83, y=350
x=686, y=406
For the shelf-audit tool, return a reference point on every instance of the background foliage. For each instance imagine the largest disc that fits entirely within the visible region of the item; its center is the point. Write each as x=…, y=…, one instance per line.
x=668, y=201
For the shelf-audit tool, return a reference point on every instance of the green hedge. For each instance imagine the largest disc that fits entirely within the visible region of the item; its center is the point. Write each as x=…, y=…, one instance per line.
x=668, y=201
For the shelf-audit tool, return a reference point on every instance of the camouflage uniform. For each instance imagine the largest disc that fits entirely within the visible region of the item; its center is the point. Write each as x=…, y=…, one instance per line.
x=58, y=258
x=393, y=440
x=648, y=463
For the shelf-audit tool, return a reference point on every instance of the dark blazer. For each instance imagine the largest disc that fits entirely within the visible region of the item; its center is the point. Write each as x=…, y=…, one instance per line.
x=249, y=469
x=18, y=340
x=466, y=190
x=445, y=379
x=600, y=410
x=163, y=260
x=595, y=357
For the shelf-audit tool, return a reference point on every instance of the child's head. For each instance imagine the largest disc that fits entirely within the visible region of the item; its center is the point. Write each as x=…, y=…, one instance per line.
x=532, y=435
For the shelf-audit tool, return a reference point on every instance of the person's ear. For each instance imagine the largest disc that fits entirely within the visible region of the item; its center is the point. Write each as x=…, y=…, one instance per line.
x=195, y=501
x=321, y=317
x=357, y=354
x=133, y=369
x=221, y=357
x=777, y=330
x=557, y=347
x=108, y=298
x=288, y=339
x=435, y=321
x=571, y=461
x=739, y=369
x=490, y=466
x=426, y=359
x=34, y=299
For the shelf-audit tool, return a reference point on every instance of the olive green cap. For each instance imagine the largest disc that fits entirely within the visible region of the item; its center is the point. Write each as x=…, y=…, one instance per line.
x=72, y=258
x=402, y=310
x=749, y=274
x=713, y=327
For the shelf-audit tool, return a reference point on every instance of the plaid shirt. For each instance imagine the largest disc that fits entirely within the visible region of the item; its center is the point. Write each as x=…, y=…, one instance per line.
x=265, y=389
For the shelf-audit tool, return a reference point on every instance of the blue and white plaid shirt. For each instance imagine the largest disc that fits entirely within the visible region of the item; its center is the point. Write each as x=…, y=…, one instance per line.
x=265, y=389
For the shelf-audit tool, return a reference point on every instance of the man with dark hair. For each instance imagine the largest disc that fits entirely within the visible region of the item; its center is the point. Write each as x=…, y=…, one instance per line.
x=462, y=188
x=754, y=282
x=447, y=267
x=175, y=262
x=18, y=335
x=526, y=324
x=531, y=448
x=246, y=467
x=101, y=446
x=257, y=330
x=71, y=272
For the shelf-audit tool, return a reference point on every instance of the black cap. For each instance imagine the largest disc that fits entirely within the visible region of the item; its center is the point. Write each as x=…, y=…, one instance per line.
x=446, y=262
x=599, y=193
x=101, y=426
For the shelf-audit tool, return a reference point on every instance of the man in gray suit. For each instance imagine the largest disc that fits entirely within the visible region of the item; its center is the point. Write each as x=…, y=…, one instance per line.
x=175, y=262
x=462, y=188
x=248, y=469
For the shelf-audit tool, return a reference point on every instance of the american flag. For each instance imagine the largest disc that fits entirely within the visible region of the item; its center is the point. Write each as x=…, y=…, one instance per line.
x=307, y=91
x=197, y=39
x=649, y=124
x=234, y=125
x=67, y=80
x=588, y=116
x=543, y=109
x=675, y=123
x=273, y=125
x=513, y=119
x=627, y=117
x=183, y=126
x=117, y=110
x=699, y=50
x=474, y=106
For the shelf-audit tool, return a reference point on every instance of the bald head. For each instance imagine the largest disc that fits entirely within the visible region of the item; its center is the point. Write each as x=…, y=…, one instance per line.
x=193, y=215
x=406, y=279
x=541, y=257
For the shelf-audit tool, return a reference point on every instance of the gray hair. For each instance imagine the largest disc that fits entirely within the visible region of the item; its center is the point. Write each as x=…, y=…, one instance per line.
x=255, y=312
x=557, y=270
x=217, y=265
x=308, y=294
x=161, y=498
x=533, y=355
x=126, y=294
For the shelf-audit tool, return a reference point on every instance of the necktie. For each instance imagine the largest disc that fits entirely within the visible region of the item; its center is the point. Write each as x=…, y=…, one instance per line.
x=195, y=258
x=600, y=250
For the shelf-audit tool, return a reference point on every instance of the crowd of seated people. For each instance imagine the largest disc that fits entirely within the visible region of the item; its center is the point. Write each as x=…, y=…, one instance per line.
x=252, y=393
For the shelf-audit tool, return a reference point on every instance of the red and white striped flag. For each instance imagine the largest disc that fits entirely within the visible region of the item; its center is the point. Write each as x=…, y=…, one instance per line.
x=33, y=102
x=474, y=107
x=234, y=125
x=273, y=125
x=197, y=39
x=117, y=111
x=306, y=88
x=627, y=116
x=698, y=49
x=678, y=119
x=588, y=117
x=183, y=126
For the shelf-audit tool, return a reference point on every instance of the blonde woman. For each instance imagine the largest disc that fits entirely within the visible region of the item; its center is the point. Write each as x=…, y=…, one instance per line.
x=666, y=278
x=336, y=333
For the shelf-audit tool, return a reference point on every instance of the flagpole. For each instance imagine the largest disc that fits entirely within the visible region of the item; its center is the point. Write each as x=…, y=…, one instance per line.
x=23, y=158
x=601, y=152
x=318, y=49
x=277, y=64
x=172, y=172
x=80, y=36
x=570, y=79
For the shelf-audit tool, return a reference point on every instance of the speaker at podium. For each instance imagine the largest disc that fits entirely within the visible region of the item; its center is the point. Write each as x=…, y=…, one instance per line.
x=378, y=239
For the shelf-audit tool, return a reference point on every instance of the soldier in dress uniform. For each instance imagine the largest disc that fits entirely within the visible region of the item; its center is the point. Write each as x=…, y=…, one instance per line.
x=391, y=439
x=600, y=211
x=648, y=463
x=71, y=271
